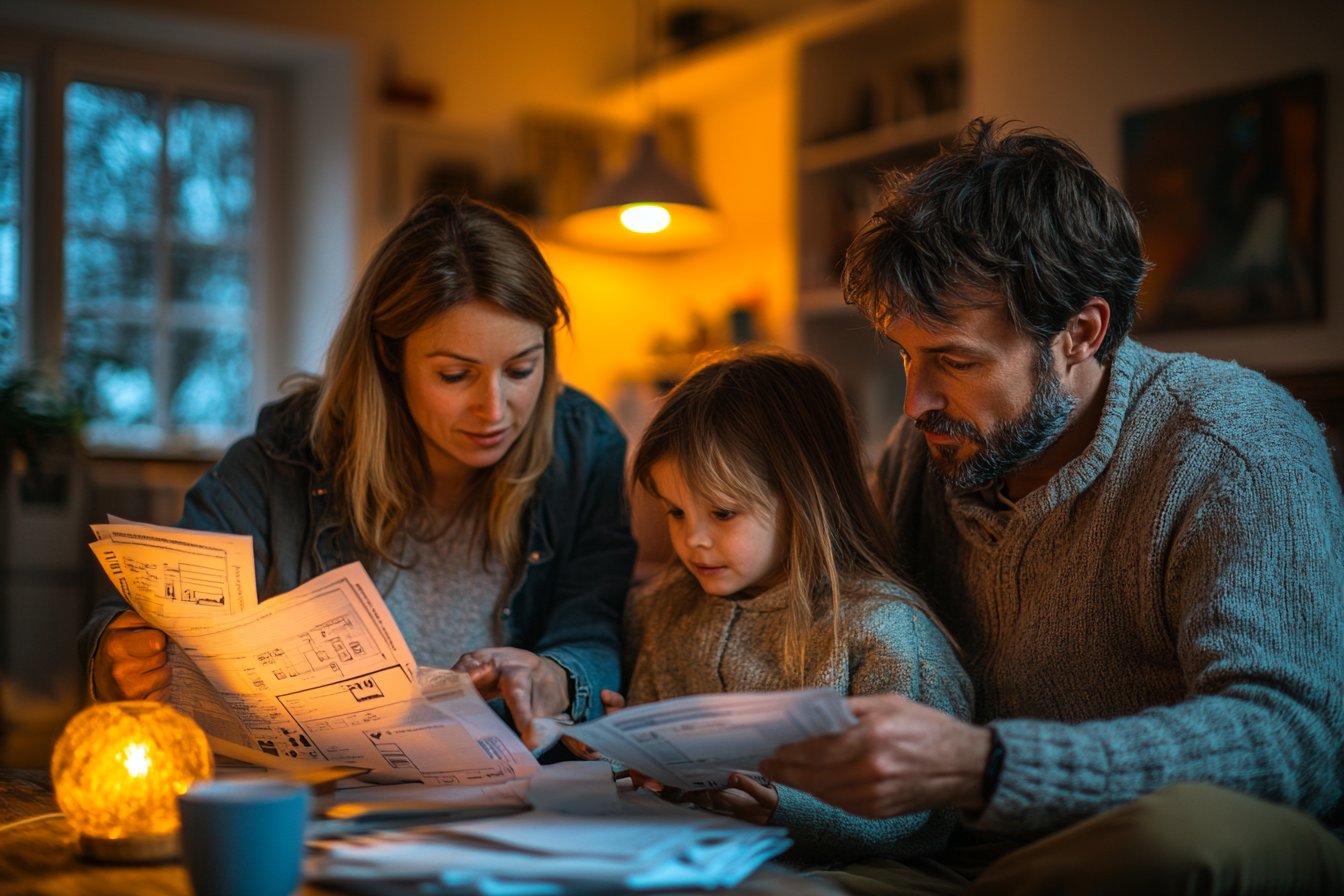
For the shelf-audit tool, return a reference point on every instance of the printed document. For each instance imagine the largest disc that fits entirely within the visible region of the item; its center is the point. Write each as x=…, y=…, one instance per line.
x=696, y=742
x=319, y=674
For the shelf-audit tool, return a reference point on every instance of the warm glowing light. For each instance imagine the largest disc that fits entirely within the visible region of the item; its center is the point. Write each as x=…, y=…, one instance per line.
x=645, y=218
x=136, y=760
x=117, y=771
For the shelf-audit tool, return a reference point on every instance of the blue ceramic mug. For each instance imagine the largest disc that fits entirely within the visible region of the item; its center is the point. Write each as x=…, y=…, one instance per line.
x=244, y=835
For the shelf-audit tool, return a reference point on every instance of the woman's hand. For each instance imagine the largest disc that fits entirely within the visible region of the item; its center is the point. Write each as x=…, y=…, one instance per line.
x=532, y=686
x=132, y=661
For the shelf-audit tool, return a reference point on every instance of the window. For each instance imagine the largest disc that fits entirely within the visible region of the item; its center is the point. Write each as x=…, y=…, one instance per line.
x=149, y=244
x=11, y=113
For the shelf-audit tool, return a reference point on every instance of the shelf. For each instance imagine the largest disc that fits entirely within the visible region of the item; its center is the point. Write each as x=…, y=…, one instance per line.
x=822, y=155
x=876, y=93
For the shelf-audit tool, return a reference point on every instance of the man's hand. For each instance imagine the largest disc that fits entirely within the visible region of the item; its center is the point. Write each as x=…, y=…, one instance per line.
x=531, y=685
x=132, y=661
x=902, y=757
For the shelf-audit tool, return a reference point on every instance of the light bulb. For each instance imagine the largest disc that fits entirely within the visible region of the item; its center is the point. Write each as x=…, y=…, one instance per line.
x=645, y=217
x=118, y=769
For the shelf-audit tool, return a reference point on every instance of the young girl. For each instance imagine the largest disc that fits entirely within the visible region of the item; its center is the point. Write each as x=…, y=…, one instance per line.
x=781, y=579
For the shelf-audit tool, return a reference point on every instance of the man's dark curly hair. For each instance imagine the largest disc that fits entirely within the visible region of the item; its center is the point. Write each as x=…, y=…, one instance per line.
x=1021, y=214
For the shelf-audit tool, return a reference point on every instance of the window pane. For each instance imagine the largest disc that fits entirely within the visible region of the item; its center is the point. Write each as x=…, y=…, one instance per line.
x=112, y=145
x=212, y=376
x=219, y=278
x=103, y=269
x=11, y=144
x=116, y=361
x=210, y=157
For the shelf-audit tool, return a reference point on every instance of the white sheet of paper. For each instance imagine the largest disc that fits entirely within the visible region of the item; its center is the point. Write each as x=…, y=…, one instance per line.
x=580, y=787
x=320, y=673
x=695, y=742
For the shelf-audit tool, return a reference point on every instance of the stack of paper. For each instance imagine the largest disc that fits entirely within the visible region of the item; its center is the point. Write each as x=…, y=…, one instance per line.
x=547, y=852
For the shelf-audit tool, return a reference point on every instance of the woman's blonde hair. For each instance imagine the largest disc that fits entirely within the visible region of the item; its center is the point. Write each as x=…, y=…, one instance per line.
x=448, y=250
x=770, y=430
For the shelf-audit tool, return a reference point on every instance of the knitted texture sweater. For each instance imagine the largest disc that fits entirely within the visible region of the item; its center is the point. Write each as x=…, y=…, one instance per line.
x=688, y=642
x=1168, y=607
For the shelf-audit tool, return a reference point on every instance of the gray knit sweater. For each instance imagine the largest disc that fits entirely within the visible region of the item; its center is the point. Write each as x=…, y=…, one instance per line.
x=1168, y=607
x=688, y=642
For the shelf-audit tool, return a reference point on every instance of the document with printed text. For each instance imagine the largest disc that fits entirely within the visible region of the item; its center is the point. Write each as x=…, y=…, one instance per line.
x=694, y=743
x=319, y=674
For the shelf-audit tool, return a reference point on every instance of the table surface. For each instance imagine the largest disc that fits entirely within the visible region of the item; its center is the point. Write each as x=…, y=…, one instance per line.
x=40, y=857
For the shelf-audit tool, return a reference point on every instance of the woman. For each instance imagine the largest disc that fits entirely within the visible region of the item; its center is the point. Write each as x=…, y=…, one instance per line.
x=440, y=449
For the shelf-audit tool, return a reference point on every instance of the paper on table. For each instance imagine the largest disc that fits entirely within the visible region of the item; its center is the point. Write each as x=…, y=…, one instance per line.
x=695, y=742
x=545, y=852
x=320, y=673
x=578, y=788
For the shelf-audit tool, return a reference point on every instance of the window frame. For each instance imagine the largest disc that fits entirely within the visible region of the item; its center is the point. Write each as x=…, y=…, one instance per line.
x=51, y=64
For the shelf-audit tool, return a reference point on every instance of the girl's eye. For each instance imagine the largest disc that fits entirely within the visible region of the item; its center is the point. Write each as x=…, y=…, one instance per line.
x=722, y=515
x=675, y=512
x=522, y=373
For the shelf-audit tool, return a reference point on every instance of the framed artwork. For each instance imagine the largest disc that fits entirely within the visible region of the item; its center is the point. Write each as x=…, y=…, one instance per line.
x=1229, y=192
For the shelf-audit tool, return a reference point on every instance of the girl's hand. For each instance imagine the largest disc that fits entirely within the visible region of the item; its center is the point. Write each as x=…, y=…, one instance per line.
x=531, y=685
x=611, y=702
x=745, y=798
x=131, y=662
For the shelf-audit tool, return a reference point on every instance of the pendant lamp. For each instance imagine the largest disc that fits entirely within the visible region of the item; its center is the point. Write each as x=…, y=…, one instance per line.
x=651, y=207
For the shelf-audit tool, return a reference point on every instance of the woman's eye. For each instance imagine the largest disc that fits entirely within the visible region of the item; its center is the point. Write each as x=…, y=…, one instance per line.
x=522, y=373
x=452, y=377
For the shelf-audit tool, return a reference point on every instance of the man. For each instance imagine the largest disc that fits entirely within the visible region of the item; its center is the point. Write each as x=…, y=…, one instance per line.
x=1141, y=555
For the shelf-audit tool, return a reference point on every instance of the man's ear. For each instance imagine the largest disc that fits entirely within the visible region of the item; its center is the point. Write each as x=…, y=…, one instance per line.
x=1082, y=337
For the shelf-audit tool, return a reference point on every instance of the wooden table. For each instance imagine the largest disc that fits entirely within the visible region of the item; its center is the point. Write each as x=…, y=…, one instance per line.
x=39, y=858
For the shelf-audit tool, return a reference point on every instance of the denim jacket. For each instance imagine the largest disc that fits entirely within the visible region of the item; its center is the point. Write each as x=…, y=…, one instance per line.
x=578, y=559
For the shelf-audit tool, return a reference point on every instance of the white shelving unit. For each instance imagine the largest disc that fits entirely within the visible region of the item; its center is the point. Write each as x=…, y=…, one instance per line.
x=878, y=92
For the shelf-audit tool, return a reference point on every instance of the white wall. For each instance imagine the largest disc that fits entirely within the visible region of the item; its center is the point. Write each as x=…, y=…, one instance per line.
x=1077, y=67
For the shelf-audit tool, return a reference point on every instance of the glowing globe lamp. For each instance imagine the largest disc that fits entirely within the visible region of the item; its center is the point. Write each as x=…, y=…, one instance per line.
x=118, y=769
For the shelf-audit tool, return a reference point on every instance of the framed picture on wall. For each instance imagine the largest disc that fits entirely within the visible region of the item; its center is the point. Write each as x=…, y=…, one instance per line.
x=1229, y=192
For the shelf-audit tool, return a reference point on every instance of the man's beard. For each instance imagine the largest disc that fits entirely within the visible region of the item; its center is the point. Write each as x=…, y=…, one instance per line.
x=1008, y=445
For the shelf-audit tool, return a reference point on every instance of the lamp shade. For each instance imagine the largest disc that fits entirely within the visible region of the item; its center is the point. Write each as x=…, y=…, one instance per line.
x=651, y=207
x=118, y=769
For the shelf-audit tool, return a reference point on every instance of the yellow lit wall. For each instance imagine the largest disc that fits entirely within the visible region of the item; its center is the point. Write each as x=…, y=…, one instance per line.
x=627, y=307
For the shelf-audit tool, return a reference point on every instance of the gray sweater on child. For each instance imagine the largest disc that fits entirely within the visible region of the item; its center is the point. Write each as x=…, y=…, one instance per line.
x=1168, y=607
x=690, y=642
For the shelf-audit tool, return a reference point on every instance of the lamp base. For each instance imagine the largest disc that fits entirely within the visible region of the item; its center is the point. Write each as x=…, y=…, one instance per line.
x=139, y=849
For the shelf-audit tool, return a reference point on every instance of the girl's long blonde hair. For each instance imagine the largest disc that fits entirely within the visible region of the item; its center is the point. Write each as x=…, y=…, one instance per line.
x=447, y=251
x=770, y=430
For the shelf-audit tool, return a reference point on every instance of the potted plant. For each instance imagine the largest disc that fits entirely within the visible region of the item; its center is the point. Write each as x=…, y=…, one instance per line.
x=39, y=435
